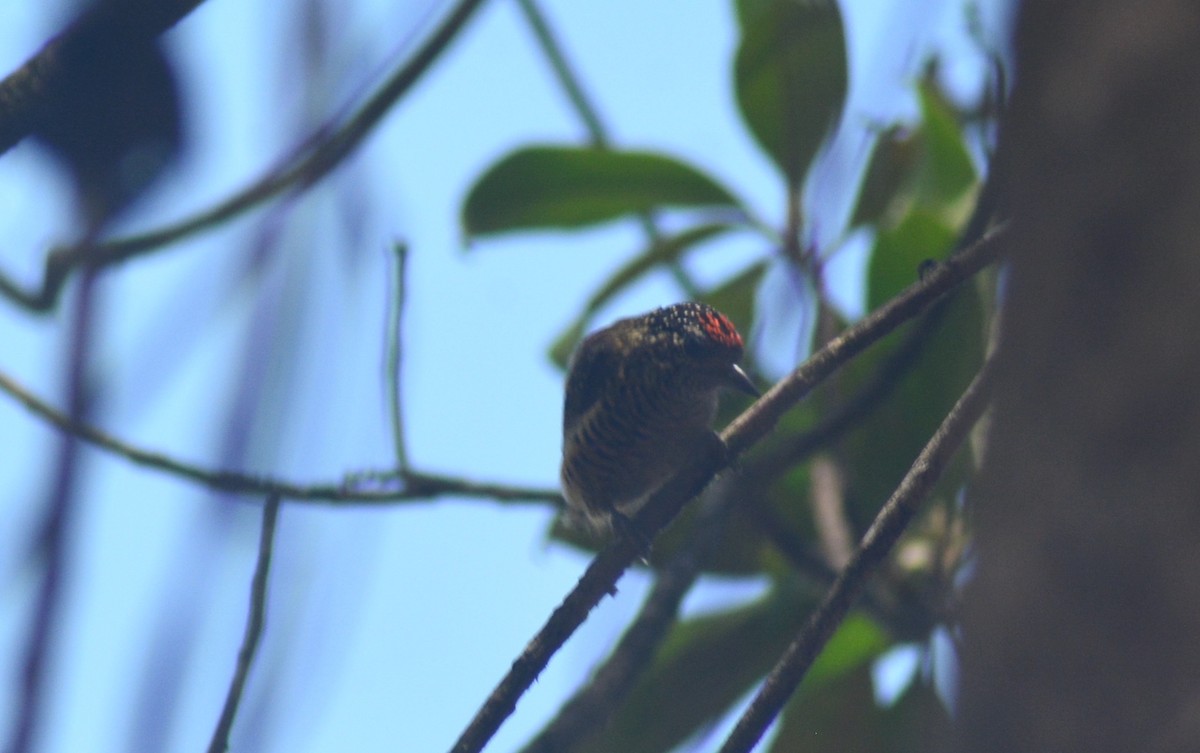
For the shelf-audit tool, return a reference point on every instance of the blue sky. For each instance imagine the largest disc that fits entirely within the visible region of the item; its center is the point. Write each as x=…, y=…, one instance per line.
x=387, y=626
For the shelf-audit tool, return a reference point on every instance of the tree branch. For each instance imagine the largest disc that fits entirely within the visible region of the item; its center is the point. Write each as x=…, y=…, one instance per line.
x=889, y=524
x=747, y=429
x=255, y=621
x=413, y=485
x=395, y=352
x=580, y=716
x=315, y=158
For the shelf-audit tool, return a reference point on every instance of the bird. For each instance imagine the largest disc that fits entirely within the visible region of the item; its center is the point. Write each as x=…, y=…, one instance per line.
x=640, y=399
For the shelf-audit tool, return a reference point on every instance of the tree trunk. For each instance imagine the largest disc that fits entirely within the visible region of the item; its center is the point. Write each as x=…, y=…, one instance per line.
x=1082, y=625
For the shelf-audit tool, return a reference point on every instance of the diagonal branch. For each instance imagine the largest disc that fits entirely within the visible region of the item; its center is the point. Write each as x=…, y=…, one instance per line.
x=254, y=627
x=889, y=524
x=746, y=430
x=580, y=716
x=412, y=485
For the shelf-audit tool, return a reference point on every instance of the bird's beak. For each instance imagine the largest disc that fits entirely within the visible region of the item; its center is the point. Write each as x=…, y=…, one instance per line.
x=739, y=380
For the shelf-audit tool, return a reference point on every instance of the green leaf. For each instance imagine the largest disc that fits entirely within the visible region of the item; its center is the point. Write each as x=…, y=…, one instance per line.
x=947, y=173
x=884, y=445
x=790, y=78
x=748, y=11
x=857, y=641
x=546, y=187
x=899, y=253
x=894, y=159
x=663, y=252
x=928, y=168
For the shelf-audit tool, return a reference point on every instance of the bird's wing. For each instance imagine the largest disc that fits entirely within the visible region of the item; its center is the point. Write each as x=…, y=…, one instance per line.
x=593, y=368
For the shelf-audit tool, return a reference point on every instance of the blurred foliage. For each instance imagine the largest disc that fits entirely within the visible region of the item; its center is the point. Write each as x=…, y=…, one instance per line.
x=113, y=115
x=916, y=192
x=790, y=78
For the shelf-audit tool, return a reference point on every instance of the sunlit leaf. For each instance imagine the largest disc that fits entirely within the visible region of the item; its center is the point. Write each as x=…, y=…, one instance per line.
x=548, y=187
x=857, y=641
x=790, y=78
x=947, y=172
x=927, y=168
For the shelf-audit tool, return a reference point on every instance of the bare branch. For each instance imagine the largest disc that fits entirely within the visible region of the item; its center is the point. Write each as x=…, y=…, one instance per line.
x=747, y=429
x=889, y=524
x=315, y=158
x=580, y=716
x=395, y=354
x=388, y=487
x=566, y=76
x=255, y=621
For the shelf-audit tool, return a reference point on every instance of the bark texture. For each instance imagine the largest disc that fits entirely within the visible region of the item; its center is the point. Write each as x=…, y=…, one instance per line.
x=1082, y=626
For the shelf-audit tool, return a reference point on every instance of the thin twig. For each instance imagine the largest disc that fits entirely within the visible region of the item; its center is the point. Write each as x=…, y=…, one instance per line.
x=51, y=543
x=567, y=78
x=747, y=429
x=398, y=485
x=889, y=524
x=395, y=354
x=254, y=627
x=318, y=155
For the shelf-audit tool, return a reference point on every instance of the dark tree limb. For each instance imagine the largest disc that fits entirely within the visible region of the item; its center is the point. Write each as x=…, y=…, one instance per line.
x=586, y=711
x=1079, y=629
